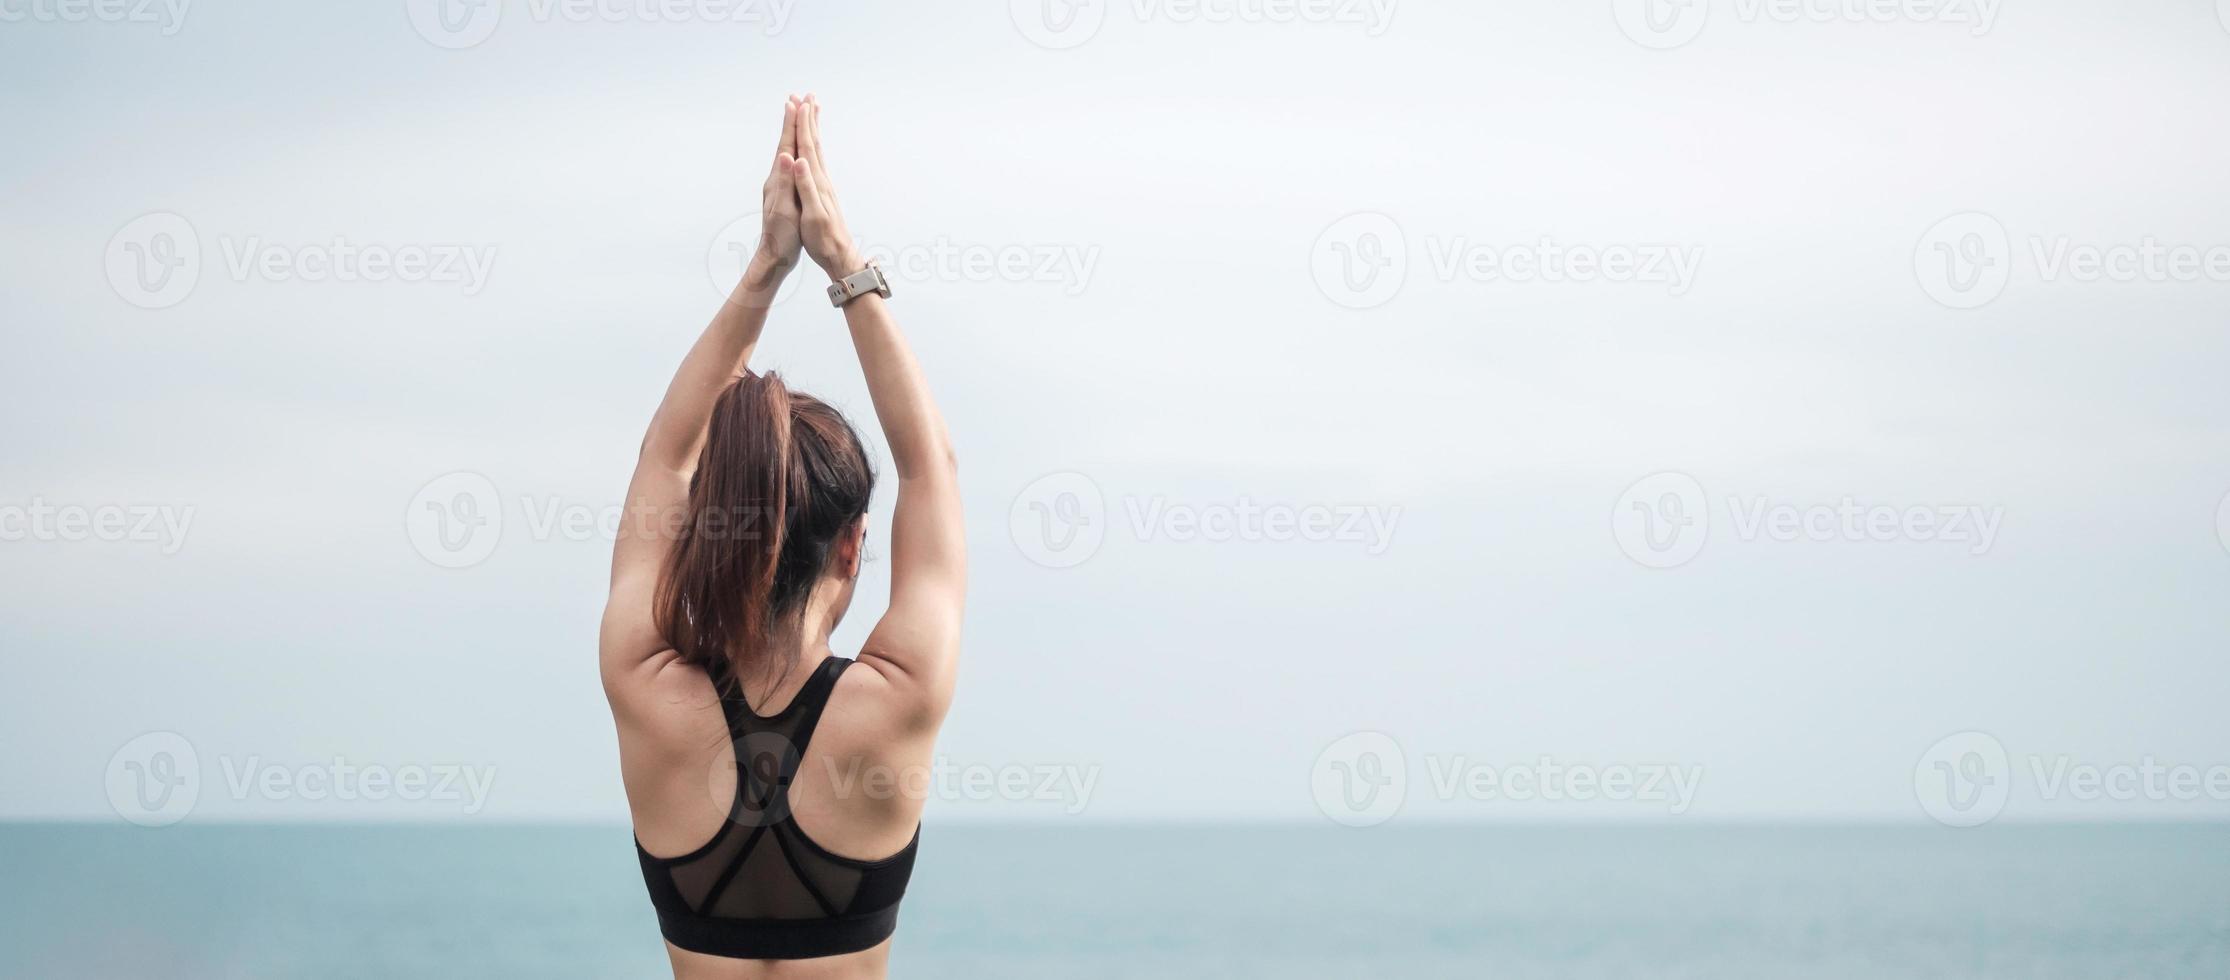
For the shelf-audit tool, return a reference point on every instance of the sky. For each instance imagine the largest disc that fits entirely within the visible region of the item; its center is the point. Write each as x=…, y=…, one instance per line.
x=1368, y=412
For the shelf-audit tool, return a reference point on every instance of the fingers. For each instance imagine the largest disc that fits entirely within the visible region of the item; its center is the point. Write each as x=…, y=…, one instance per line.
x=785, y=169
x=809, y=132
x=778, y=174
x=809, y=189
x=789, y=128
x=809, y=138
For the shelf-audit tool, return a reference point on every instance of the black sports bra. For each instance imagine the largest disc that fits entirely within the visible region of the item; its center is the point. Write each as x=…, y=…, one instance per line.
x=760, y=888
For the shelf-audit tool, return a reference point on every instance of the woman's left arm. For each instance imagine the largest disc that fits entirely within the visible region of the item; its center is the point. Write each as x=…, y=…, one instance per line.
x=658, y=494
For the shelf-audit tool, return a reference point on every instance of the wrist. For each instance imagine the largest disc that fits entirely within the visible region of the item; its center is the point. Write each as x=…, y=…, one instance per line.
x=765, y=272
x=843, y=264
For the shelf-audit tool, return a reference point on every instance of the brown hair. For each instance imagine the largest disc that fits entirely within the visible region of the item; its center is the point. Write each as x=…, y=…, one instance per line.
x=781, y=478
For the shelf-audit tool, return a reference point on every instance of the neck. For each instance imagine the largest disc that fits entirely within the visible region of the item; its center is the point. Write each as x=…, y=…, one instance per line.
x=805, y=638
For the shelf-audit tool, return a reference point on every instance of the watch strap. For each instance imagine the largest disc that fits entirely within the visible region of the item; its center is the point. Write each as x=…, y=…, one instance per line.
x=858, y=284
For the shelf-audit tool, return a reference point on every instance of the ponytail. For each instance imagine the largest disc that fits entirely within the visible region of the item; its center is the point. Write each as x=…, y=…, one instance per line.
x=780, y=477
x=713, y=600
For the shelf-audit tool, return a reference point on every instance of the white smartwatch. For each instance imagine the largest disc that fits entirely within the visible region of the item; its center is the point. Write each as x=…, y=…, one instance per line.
x=858, y=284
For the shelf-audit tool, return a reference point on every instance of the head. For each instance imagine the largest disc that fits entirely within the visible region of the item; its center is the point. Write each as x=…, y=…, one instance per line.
x=776, y=531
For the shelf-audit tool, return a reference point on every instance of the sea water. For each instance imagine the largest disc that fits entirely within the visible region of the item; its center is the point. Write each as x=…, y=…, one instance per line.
x=1157, y=901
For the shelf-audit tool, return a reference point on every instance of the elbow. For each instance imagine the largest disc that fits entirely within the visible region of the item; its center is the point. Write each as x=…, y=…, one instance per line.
x=934, y=461
x=943, y=452
x=943, y=462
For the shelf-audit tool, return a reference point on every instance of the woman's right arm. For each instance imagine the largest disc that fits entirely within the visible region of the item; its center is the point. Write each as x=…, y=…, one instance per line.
x=916, y=645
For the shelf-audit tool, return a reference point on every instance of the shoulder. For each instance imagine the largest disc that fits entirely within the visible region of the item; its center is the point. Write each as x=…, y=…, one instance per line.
x=661, y=701
x=873, y=705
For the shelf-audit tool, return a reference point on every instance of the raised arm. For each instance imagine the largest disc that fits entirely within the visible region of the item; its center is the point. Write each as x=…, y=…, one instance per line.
x=917, y=643
x=658, y=494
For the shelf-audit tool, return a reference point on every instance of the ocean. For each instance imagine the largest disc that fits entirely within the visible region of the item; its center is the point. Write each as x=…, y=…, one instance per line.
x=1158, y=901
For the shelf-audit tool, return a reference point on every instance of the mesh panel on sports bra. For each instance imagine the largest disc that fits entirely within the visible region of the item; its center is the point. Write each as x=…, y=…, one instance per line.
x=764, y=888
x=761, y=869
x=836, y=883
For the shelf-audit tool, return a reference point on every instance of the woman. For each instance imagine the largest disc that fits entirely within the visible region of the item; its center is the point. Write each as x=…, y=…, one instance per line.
x=765, y=773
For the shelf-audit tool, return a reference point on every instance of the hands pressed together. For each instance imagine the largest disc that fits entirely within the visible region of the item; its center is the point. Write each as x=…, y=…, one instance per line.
x=799, y=206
